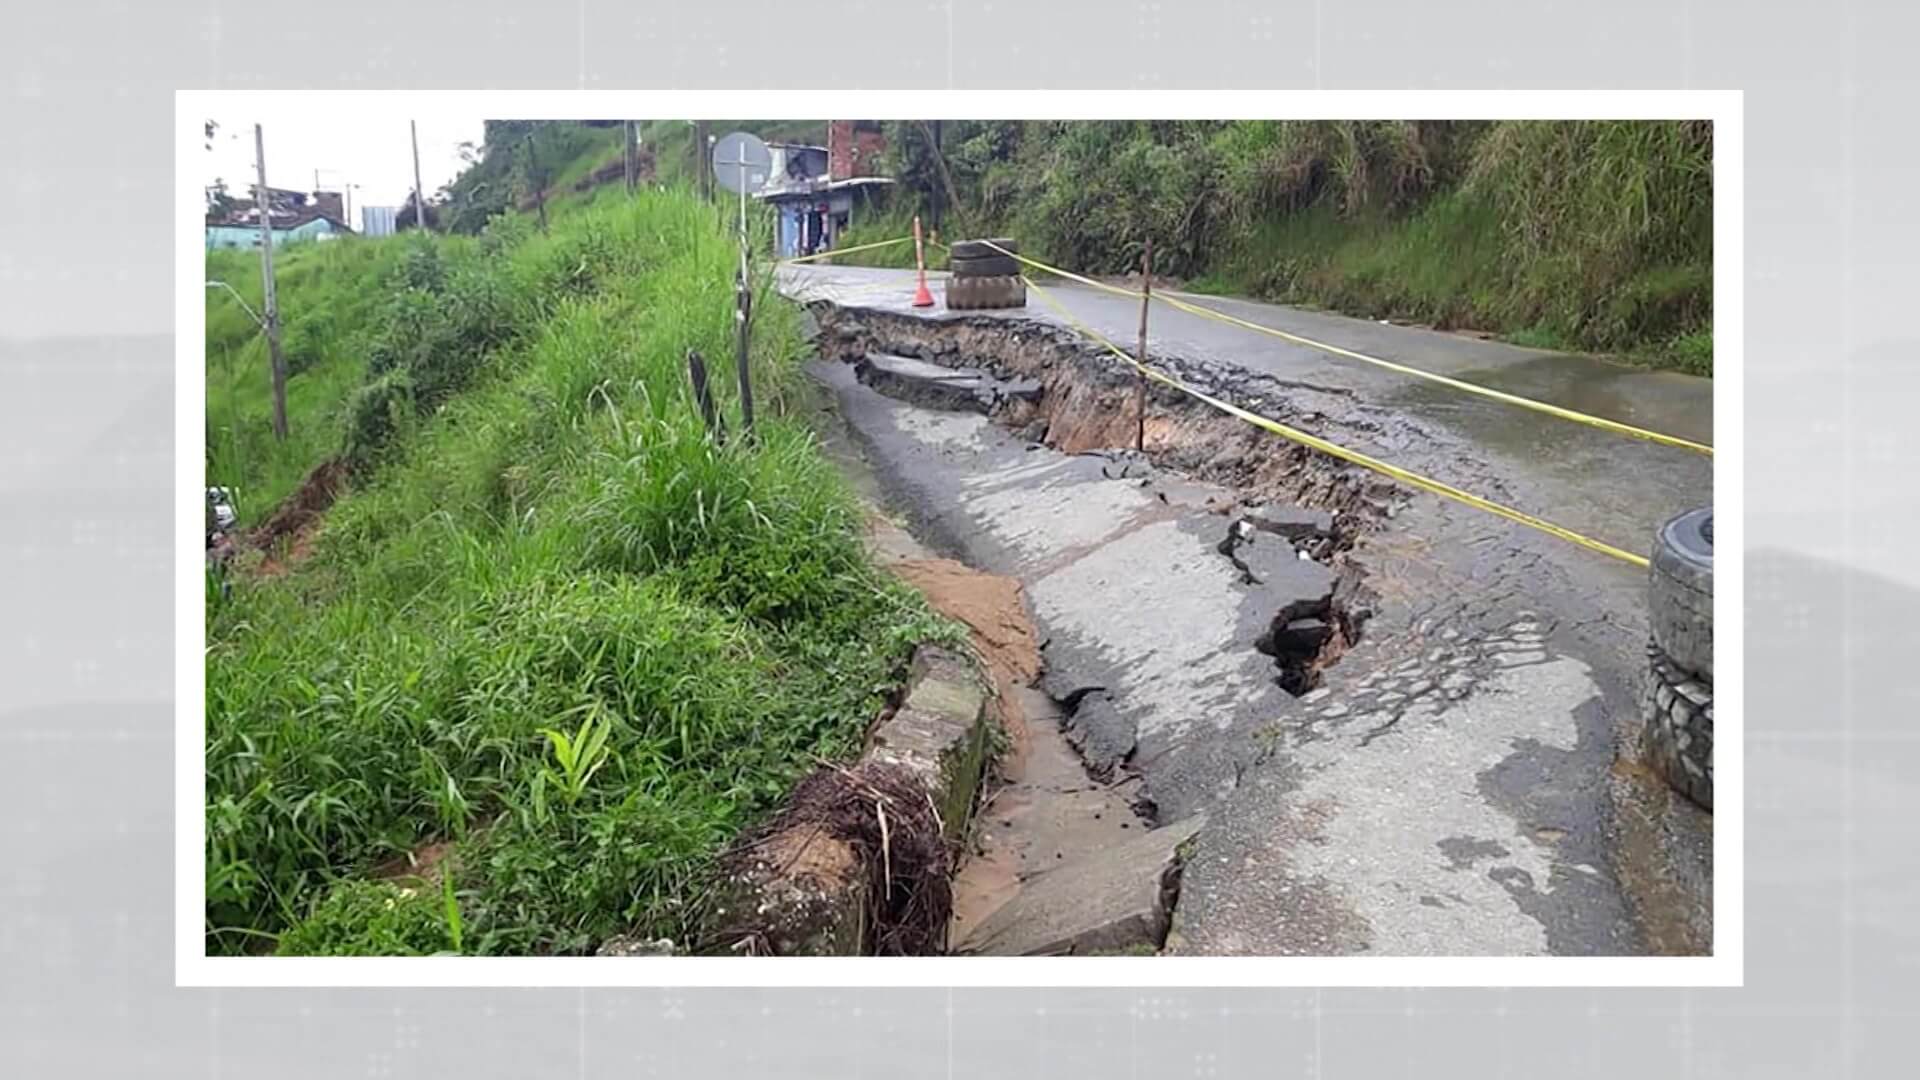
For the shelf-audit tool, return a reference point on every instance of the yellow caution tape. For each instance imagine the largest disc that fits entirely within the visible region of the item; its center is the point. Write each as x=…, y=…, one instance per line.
x=1393, y=471
x=847, y=251
x=1601, y=422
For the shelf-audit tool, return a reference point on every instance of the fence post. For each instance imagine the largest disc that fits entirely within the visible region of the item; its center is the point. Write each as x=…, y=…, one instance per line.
x=703, y=397
x=1140, y=389
x=743, y=318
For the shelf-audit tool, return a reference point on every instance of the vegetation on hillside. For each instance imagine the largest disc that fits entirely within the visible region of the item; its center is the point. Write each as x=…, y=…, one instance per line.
x=1593, y=235
x=551, y=624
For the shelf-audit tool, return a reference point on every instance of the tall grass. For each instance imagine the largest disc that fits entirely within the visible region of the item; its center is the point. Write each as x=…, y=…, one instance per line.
x=557, y=544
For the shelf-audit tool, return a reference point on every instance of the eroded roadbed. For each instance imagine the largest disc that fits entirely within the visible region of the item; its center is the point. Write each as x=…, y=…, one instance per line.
x=1428, y=775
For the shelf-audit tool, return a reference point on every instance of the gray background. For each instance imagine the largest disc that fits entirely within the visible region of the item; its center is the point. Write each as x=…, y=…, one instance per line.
x=86, y=249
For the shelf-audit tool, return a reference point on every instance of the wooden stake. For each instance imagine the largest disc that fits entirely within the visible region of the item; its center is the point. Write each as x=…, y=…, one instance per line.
x=270, y=314
x=633, y=156
x=1140, y=390
x=743, y=318
x=703, y=397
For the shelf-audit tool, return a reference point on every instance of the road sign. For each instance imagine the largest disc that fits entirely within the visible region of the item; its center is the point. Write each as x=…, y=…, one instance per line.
x=742, y=163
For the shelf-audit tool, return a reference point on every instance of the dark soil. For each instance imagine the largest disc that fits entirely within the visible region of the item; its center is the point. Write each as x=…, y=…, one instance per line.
x=297, y=515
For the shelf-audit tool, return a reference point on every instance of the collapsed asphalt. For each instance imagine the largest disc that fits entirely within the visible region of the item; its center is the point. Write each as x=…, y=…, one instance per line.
x=1447, y=789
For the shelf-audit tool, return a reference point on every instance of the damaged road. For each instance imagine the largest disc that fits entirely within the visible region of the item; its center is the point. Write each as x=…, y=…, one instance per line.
x=1398, y=716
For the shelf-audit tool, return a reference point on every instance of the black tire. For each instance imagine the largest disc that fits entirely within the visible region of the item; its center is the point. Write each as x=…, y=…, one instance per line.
x=978, y=293
x=1676, y=736
x=1680, y=592
x=984, y=266
x=978, y=249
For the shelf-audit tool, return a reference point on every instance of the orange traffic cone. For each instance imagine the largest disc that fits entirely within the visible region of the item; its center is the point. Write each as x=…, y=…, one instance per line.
x=922, y=297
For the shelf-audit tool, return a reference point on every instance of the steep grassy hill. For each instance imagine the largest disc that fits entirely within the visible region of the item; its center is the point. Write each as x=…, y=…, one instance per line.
x=552, y=637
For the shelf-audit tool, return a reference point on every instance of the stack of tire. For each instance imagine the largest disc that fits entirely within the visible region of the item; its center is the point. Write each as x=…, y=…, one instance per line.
x=1677, y=705
x=984, y=275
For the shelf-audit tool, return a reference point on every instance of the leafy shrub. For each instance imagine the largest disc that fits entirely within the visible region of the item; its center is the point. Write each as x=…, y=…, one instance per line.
x=375, y=413
x=371, y=918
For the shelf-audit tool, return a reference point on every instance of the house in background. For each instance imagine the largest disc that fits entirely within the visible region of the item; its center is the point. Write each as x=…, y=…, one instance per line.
x=378, y=220
x=814, y=189
x=292, y=216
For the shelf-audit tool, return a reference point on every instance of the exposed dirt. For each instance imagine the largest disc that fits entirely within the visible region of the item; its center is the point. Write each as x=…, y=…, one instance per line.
x=421, y=865
x=994, y=610
x=286, y=537
x=1087, y=404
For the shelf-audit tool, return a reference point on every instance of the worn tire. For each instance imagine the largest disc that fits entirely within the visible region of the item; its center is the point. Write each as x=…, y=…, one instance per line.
x=979, y=293
x=1680, y=592
x=978, y=249
x=984, y=266
x=1676, y=736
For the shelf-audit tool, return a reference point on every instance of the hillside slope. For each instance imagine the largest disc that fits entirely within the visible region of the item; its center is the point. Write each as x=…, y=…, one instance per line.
x=541, y=550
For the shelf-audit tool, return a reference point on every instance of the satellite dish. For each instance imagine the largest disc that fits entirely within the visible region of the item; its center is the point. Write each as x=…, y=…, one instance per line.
x=729, y=154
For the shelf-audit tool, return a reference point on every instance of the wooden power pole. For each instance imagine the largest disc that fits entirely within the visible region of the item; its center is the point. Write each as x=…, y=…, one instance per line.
x=538, y=178
x=270, y=315
x=633, y=157
x=419, y=193
x=702, y=172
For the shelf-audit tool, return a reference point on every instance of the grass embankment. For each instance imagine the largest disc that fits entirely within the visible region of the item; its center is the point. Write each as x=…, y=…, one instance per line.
x=551, y=624
x=330, y=298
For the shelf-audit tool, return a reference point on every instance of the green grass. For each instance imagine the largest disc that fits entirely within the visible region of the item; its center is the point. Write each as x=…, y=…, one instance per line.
x=885, y=225
x=328, y=294
x=547, y=542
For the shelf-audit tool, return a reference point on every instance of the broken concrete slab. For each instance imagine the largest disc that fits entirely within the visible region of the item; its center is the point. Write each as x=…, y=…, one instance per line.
x=1271, y=561
x=1100, y=733
x=1296, y=523
x=933, y=386
x=939, y=733
x=1117, y=899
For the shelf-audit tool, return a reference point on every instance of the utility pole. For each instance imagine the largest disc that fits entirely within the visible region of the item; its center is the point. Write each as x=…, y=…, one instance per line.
x=270, y=318
x=419, y=193
x=743, y=309
x=539, y=181
x=633, y=157
x=703, y=175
